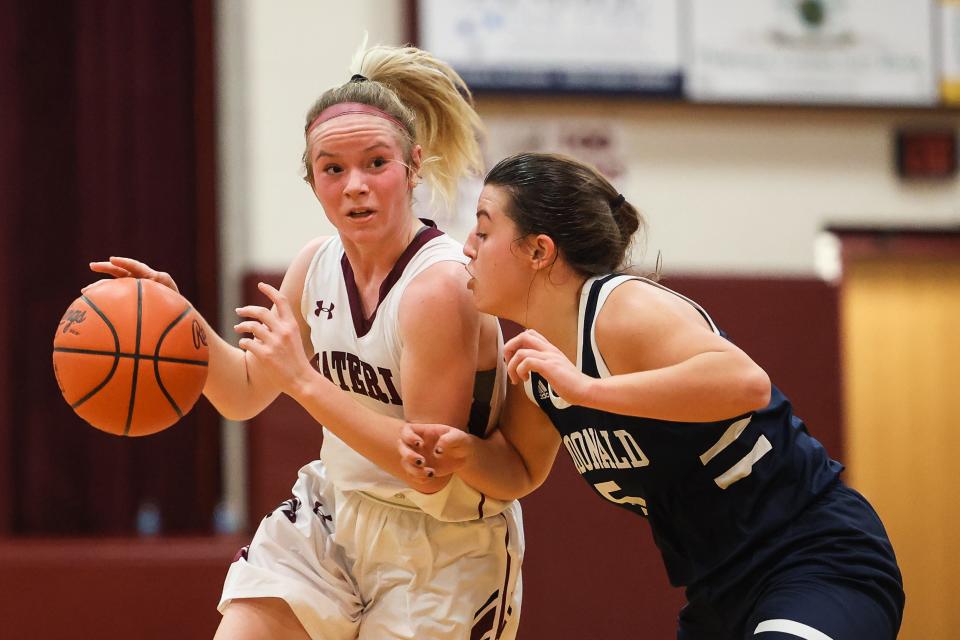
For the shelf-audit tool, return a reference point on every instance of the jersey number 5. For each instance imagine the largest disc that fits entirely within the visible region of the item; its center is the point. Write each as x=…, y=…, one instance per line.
x=607, y=489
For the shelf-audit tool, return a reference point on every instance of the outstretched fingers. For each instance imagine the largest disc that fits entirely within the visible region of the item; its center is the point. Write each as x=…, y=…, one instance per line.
x=109, y=269
x=278, y=299
x=120, y=267
x=257, y=329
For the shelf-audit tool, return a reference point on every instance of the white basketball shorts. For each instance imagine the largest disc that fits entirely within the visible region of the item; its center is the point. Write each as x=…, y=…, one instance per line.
x=352, y=566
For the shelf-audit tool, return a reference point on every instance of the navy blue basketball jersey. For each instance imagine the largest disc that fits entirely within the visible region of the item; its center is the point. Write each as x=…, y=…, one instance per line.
x=711, y=491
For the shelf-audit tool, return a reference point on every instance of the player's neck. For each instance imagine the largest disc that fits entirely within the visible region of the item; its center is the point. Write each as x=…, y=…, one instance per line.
x=372, y=261
x=554, y=311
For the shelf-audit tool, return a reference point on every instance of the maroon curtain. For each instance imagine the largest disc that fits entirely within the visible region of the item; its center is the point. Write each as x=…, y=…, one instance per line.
x=9, y=179
x=105, y=149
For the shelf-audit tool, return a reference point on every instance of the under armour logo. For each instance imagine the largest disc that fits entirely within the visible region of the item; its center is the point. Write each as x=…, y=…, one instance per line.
x=327, y=310
x=318, y=509
x=289, y=509
x=542, y=390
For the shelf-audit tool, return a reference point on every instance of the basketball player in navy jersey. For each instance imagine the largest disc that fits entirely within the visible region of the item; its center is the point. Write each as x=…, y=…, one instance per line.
x=661, y=415
x=359, y=550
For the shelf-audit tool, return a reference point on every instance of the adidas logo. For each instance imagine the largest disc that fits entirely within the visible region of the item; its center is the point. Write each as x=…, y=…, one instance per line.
x=542, y=392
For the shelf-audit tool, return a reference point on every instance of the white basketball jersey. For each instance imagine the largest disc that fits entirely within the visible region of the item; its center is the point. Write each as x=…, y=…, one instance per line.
x=363, y=355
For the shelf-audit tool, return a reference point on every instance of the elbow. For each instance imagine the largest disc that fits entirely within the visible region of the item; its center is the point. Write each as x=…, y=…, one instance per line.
x=507, y=494
x=513, y=489
x=519, y=490
x=232, y=411
x=757, y=389
x=237, y=416
x=239, y=405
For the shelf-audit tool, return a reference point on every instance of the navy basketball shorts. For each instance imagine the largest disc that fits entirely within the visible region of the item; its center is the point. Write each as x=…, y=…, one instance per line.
x=835, y=578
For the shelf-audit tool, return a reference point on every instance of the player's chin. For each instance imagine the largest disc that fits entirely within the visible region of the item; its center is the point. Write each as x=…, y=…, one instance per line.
x=478, y=300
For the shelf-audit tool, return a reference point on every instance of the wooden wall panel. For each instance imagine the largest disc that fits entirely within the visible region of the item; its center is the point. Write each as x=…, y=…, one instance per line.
x=113, y=588
x=902, y=369
x=790, y=327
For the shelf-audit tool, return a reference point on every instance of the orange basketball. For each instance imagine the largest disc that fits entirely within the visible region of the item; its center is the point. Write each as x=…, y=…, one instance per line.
x=130, y=356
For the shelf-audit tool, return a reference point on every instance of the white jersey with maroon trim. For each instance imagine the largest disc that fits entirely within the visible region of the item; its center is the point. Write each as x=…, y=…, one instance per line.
x=362, y=356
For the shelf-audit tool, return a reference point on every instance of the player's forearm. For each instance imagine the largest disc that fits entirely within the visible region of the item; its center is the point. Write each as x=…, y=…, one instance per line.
x=233, y=387
x=496, y=469
x=371, y=434
x=708, y=387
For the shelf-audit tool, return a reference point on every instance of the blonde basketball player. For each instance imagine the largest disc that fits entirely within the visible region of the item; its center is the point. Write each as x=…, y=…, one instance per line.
x=358, y=552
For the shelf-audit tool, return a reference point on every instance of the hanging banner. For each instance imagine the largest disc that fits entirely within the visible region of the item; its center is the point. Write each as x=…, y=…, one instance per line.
x=557, y=45
x=813, y=51
x=950, y=50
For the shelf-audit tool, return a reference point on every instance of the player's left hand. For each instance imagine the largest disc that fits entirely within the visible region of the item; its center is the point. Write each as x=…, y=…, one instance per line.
x=433, y=450
x=530, y=351
x=276, y=340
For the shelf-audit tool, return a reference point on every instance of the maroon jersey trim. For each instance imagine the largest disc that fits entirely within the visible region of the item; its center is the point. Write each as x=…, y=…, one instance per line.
x=360, y=324
x=504, y=599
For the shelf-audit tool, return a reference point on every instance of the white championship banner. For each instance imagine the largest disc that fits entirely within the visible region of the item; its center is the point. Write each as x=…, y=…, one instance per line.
x=950, y=51
x=630, y=46
x=862, y=52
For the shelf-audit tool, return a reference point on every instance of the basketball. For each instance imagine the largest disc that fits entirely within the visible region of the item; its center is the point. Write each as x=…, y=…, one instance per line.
x=130, y=356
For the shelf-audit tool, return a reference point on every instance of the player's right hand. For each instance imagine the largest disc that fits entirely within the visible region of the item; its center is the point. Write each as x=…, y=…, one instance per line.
x=129, y=268
x=433, y=450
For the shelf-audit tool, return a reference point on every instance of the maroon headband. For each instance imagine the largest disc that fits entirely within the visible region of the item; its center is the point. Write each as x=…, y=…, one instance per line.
x=348, y=108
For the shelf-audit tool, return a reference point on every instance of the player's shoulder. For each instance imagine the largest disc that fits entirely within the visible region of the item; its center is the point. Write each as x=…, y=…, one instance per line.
x=638, y=317
x=640, y=300
x=301, y=262
x=442, y=281
x=300, y=265
x=310, y=249
x=441, y=247
x=438, y=262
x=437, y=297
x=630, y=302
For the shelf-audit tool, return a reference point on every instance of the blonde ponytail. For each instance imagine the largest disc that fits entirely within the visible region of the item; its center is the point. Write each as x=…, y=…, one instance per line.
x=431, y=101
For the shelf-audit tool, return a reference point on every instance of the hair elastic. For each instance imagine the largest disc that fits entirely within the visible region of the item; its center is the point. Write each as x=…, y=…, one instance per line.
x=616, y=202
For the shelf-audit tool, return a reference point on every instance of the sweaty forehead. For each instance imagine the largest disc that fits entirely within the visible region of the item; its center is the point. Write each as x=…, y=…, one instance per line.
x=493, y=202
x=353, y=133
